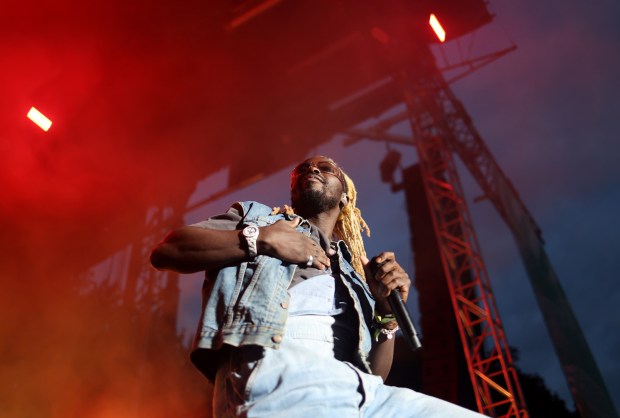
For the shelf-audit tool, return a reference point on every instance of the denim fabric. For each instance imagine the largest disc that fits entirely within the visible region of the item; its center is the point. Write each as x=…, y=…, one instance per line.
x=317, y=296
x=322, y=296
x=303, y=378
x=247, y=304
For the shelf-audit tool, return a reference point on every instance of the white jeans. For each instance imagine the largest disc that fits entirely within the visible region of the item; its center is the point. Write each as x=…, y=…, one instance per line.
x=303, y=380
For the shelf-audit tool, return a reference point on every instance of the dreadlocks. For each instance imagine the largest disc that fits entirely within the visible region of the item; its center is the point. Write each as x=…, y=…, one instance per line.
x=349, y=226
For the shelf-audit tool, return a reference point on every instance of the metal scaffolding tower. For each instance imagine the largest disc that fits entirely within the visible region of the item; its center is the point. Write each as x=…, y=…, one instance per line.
x=440, y=127
x=487, y=353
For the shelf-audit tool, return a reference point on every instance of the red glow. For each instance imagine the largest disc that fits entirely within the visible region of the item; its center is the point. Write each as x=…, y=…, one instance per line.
x=39, y=118
x=252, y=13
x=380, y=35
x=441, y=34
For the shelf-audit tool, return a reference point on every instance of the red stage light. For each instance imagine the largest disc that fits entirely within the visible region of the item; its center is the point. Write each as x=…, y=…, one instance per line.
x=39, y=118
x=441, y=34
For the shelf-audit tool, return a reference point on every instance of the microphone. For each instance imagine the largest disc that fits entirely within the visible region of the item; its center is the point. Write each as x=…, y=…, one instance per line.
x=400, y=312
x=404, y=320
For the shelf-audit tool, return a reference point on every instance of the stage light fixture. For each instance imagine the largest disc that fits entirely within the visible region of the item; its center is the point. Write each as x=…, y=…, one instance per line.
x=39, y=119
x=441, y=34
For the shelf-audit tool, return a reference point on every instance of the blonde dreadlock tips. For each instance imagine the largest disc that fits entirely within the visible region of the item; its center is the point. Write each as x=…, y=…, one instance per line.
x=350, y=226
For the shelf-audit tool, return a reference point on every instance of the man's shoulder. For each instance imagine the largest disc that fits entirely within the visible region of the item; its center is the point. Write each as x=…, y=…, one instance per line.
x=236, y=215
x=252, y=207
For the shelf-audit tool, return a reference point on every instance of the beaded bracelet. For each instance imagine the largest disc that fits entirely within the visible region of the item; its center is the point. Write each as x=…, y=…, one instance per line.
x=388, y=332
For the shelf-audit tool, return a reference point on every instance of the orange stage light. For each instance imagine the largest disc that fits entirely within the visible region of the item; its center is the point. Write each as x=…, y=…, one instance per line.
x=441, y=34
x=39, y=118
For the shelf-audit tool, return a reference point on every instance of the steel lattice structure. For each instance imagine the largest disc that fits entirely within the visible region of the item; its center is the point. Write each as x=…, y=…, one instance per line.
x=441, y=126
x=493, y=376
x=578, y=364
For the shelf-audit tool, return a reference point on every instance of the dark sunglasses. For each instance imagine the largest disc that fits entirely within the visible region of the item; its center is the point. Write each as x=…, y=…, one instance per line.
x=325, y=166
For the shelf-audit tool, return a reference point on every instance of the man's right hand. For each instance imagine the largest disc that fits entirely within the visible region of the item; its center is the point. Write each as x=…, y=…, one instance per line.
x=281, y=240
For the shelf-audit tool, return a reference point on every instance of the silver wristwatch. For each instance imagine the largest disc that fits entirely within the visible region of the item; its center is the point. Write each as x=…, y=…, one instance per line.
x=250, y=234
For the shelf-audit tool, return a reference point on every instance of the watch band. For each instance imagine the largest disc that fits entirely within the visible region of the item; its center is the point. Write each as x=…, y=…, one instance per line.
x=250, y=234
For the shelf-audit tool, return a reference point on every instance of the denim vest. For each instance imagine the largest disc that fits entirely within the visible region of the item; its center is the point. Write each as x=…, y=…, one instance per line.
x=247, y=304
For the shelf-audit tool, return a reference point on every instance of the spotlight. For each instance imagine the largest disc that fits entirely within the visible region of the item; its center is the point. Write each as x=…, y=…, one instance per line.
x=441, y=34
x=39, y=118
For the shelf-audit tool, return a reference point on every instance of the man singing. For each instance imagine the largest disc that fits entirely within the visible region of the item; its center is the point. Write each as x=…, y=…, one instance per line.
x=295, y=322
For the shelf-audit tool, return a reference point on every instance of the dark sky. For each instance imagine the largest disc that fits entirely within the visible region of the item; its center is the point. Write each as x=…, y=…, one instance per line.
x=549, y=113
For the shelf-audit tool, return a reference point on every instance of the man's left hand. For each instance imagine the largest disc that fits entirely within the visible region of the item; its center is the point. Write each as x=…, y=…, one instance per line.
x=388, y=276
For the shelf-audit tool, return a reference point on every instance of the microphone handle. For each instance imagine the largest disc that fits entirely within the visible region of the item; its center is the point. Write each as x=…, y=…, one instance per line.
x=403, y=319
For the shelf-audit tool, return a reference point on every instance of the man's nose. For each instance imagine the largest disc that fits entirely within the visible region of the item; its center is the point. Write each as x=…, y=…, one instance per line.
x=314, y=169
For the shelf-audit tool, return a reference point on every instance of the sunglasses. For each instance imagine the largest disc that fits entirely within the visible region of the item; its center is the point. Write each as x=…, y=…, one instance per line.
x=324, y=166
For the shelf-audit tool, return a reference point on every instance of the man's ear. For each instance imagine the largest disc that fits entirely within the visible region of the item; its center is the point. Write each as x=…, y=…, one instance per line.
x=344, y=199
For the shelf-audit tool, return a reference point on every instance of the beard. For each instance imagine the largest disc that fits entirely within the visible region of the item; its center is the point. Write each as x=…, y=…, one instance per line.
x=310, y=201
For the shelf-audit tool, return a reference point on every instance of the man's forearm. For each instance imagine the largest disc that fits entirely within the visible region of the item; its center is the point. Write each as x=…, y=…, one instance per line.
x=382, y=352
x=190, y=249
x=381, y=356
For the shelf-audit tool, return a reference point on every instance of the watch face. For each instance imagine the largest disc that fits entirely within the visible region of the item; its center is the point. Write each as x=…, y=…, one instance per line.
x=250, y=231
